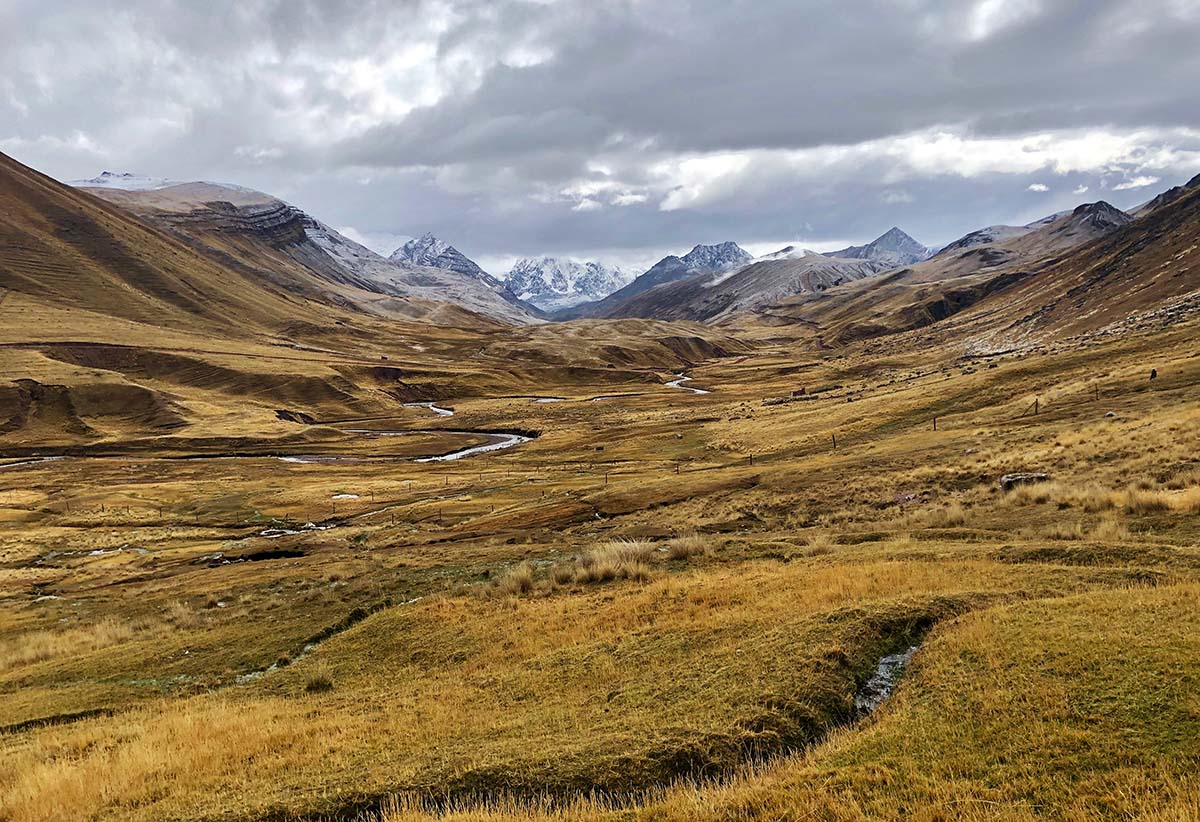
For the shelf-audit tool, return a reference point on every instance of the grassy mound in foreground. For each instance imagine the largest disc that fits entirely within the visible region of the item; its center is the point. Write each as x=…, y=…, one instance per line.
x=618, y=687
x=1078, y=708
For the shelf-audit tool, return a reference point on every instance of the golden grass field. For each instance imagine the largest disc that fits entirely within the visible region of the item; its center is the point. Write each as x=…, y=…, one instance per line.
x=659, y=608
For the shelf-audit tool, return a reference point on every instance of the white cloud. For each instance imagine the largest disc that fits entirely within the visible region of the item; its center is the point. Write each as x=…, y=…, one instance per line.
x=1080, y=190
x=699, y=181
x=629, y=199
x=487, y=121
x=695, y=181
x=77, y=142
x=1137, y=182
x=381, y=243
x=258, y=154
x=992, y=16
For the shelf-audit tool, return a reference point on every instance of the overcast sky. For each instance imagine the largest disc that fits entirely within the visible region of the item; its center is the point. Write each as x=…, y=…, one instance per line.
x=618, y=129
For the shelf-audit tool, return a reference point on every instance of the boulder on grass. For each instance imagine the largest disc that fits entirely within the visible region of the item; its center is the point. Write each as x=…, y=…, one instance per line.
x=1011, y=481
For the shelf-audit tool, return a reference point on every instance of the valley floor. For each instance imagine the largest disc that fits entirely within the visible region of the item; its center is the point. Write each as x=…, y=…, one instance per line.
x=660, y=606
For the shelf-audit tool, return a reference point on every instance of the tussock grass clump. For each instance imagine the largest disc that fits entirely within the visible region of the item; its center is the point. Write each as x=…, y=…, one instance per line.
x=1063, y=531
x=319, y=681
x=518, y=580
x=819, y=544
x=950, y=516
x=1091, y=498
x=1184, y=478
x=616, y=560
x=562, y=574
x=1110, y=529
x=1035, y=494
x=179, y=615
x=687, y=546
x=1107, y=529
x=1138, y=500
x=1188, y=502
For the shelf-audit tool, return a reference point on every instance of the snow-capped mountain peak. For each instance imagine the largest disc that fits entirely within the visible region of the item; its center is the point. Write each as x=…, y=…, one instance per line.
x=428, y=250
x=553, y=283
x=893, y=247
x=789, y=252
x=717, y=257
x=123, y=180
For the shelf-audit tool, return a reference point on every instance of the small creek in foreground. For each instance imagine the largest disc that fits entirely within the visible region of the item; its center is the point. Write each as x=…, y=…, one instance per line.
x=876, y=690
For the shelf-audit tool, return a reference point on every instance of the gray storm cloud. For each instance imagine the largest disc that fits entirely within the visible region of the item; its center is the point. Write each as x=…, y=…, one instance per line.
x=513, y=127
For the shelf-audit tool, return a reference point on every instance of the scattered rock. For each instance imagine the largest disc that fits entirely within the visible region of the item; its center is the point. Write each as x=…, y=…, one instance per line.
x=1111, y=415
x=294, y=416
x=1011, y=481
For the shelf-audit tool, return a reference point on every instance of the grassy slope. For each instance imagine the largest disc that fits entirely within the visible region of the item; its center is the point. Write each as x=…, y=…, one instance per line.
x=815, y=568
x=1076, y=708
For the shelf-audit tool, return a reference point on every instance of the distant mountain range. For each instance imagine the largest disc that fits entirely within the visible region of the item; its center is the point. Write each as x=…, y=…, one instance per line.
x=894, y=248
x=892, y=283
x=702, y=260
x=721, y=280
x=1066, y=228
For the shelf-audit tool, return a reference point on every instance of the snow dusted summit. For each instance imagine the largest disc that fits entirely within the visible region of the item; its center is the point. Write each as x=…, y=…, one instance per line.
x=553, y=283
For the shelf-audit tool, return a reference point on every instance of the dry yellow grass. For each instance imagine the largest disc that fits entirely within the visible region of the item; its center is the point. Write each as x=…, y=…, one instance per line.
x=985, y=728
x=39, y=646
x=649, y=645
x=439, y=690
